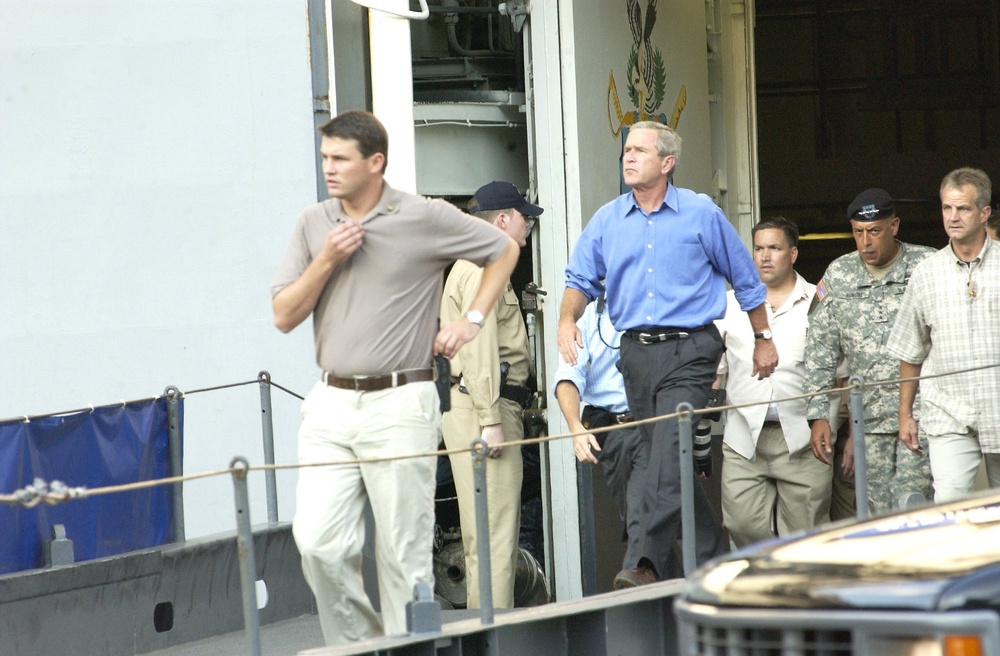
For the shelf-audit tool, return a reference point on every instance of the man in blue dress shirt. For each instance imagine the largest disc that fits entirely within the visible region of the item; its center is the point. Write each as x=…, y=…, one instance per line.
x=663, y=255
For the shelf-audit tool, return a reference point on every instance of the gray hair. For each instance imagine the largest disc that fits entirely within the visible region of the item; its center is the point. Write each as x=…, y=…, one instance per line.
x=975, y=177
x=668, y=142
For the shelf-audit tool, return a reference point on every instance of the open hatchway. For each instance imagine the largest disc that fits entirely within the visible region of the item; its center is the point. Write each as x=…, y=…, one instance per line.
x=872, y=93
x=542, y=94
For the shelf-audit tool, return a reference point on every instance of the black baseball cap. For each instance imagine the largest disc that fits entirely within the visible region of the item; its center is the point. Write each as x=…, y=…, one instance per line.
x=499, y=195
x=871, y=205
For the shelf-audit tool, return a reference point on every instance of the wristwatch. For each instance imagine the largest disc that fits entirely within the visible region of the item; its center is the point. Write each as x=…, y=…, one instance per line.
x=764, y=335
x=476, y=317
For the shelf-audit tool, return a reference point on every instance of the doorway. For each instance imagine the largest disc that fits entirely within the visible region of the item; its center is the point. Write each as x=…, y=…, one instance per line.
x=854, y=94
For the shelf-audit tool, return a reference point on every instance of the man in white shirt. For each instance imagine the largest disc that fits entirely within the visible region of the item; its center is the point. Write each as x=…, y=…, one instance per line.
x=948, y=323
x=770, y=479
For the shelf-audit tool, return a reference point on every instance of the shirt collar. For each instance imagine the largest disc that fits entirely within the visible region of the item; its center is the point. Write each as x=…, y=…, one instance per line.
x=670, y=200
x=981, y=256
x=388, y=203
x=799, y=293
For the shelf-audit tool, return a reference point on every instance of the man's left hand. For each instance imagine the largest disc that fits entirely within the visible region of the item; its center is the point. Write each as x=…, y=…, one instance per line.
x=847, y=464
x=493, y=436
x=765, y=359
x=453, y=336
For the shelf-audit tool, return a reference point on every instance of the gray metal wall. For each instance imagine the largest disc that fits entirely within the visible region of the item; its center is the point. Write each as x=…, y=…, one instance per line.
x=149, y=600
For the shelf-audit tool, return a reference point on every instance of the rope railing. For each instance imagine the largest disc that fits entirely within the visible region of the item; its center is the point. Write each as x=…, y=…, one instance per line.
x=57, y=492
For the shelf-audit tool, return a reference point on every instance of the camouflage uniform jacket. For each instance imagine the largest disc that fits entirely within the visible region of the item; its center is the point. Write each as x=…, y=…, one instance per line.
x=851, y=317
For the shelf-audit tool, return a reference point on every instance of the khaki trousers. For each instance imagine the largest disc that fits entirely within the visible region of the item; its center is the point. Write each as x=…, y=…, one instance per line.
x=791, y=489
x=503, y=488
x=329, y=525
x=955, y=460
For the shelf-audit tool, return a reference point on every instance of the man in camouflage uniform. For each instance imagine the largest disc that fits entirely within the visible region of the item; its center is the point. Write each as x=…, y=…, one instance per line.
x=853, y=312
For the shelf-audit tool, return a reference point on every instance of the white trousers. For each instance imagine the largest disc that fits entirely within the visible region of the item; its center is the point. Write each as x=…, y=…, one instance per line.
x=955, y=462
x=329, y=526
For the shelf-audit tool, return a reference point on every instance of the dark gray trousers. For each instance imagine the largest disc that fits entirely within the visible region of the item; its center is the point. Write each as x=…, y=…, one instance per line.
x=658, y=377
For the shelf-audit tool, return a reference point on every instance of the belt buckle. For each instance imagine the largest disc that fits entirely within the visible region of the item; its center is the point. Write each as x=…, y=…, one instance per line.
x=358, y=380
x=656, y=338
x=650, y=338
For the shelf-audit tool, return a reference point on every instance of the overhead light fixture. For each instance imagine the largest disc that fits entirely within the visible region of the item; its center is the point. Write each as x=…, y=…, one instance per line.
x=383, y=5
x=820, y=236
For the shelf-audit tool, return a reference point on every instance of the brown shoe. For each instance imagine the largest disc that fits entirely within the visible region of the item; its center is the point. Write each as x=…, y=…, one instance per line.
x=631, y=578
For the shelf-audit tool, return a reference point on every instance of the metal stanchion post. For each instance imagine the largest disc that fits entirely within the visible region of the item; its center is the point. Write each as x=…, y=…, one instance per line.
x=588, y=530
x=244, y=548
x=479, y=454
x=858, y=433
x=687, y=486
x=173, y=396
x=267, y=428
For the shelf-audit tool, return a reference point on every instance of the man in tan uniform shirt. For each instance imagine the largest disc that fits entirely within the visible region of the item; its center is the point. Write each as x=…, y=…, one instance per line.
x=486, y=404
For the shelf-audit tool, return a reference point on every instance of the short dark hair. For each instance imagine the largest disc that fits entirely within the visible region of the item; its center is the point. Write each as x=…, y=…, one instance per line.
x=779, y=223
x=362, y=127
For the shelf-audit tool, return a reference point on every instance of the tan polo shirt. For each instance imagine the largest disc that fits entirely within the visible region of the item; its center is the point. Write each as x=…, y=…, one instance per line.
x=379, y=310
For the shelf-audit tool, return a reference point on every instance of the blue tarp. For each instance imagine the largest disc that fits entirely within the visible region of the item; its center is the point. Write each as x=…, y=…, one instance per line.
x=112, y=445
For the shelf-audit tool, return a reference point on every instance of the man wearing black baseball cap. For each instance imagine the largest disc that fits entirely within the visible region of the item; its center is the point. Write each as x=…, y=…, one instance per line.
x=504, y=202
x=852, y=314
x=488, y=396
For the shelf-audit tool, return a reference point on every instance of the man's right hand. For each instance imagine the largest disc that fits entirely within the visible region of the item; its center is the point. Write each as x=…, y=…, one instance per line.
x=293, y=304
x=583, y=442
x=342, y=241
x=821, y=442
x=569, y=340
x=909, y=434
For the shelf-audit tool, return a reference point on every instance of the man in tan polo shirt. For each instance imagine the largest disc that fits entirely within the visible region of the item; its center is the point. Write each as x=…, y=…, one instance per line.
x=367, y=265
x=488, y=398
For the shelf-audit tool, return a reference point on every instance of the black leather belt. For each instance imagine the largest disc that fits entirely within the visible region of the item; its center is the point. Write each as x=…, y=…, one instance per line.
x=598, y=417
x=379, y=382
x=516, y=393
x=663, y=334
x=772, y=424
x=623, y=418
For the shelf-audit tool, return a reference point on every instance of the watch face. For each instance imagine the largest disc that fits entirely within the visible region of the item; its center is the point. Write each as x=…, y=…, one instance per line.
x=766, y=334
x=475, y=316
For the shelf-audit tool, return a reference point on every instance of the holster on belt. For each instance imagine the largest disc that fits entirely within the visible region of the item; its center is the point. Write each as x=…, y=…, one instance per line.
x=518, y=394
x=442, y=366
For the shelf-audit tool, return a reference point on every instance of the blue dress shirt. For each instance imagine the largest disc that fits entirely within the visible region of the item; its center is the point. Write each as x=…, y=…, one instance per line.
x=595, y=373
x=665, y=268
